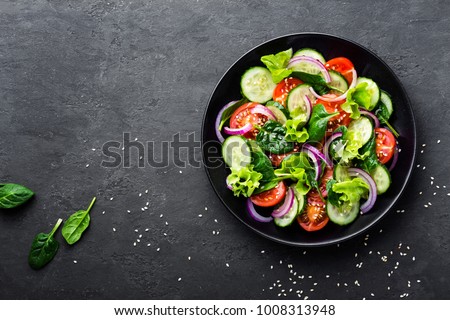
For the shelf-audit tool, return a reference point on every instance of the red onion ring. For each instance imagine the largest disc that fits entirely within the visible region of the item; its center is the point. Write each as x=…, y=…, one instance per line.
x=394, y=159
x=318, y=154
x=316, y=164
x=326, y=148
x=264, y=111
x=338, y=98
x=255, y=215
x=317, y=63
x=366, y=206
x=286, y=206
x=242, y=130
x=219, y=118
x=370, y=115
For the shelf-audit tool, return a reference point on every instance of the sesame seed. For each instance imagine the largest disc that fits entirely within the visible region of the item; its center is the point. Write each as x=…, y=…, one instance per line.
x=215, y=220
x=439, y=141
x=189, y=258
x=140, y=194
x=179, y=279
x=75, y=261
x=206, y=208
x=425, y=206
x=138, y=240
x=200, y=216
x=111, y=198
x=262, y=251
x=167, y=223
x=423, y=168
x=148, y=244
x=93, y=149
x=161, y=215
x=181, y=171
x=227, y=265
x=87, y=165
x=140, y=236
x=103, y=212
x=157, y=249
x=134, y=244
x=146, y=191
x=114, y=229
x=128, y=211
x=424, y=145
x=136, y=230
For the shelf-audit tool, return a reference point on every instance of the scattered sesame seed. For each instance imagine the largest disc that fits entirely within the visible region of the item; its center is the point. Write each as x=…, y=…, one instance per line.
x=421, y=151
x=179, y=279
x=420, y=192
x=214, y=232
x=424, y=145
x=189, y=258
x=215, y=220
x=418, y=281
x=147, y=203
x=145, y=208
x=161, y=215
x=103, y=212
x=439, y=141
x=167, y=223
x=227, y=265
x=128, y=211
x=146, y=191
x=136, y=230
x=148, y=244
x=140, y=236
x=138, y=240
x=423, y=168
x=413, y=258
x=206, y=208
x=111, y=198
x=200, y=215
x=157, y=249
x=134, y=244
x=262, y=251
x=87, y=165
x=75, y=261
x=146, y=230
x=418, y=165
x=93, y=149
x=140, y=194
x=181, y=171
x=114, y=229
x=425, y=206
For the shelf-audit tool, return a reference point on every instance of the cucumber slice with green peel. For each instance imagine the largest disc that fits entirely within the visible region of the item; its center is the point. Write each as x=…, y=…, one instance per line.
x=340, y=173
x=289, y=217
x=343, y=215
x=337, y=82
x=373, y=89
x=279, y=115
x=257, y=84
x=295, y=101
x=308, y=52
x=236, y=152
x=382, y=178
x=301, y=200
x=386, y=100
x=362, y=126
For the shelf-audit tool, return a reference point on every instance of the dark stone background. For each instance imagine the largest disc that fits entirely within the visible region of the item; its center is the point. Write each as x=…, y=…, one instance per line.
x=75, y=74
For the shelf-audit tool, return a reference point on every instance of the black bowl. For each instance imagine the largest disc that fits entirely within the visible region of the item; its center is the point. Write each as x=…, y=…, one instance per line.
x=367, y=64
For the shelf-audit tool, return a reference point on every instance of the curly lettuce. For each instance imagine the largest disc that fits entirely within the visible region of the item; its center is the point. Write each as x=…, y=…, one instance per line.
x=244, y=180
x=356, y=97
x=293, y=133
x=277, y=64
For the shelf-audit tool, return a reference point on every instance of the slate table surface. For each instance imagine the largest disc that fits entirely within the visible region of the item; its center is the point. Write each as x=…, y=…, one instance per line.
x=77, y=74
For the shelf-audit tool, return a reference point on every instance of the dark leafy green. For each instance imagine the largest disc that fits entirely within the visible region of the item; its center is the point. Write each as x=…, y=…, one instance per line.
x=332, y=196
x=228, y=112
x=316, y=81
x=277, y=64
x=43, y=248
x=76, y=224
x=271, y=138
x=318, y=123
x=369, y=156
x=263, y=165
x=383, y=115
x=13, y=195
x=297, y=167
x=279, y=106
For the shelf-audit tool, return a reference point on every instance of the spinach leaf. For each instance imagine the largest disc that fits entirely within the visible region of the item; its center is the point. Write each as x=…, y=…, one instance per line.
x=228, y=112
x=279, y=106
x=43, y=248
x=277, y=64
x=332, y=196
x=271, y=138
x=369, y=156
x=318, y=123
x=13, y=195
x=76, y=224
x=316, y=81
x=262, y=164
x=383, y=115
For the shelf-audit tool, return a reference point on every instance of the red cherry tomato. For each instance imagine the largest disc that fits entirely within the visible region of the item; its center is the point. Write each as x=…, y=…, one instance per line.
x=270, y=197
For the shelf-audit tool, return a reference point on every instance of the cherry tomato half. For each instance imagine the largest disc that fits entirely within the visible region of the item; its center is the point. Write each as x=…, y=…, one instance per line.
x=282, y=89
x=270, y=197
x=343, y=66
x=242, y=116
x=385, y=145
x=314, y=217
x=342, y=119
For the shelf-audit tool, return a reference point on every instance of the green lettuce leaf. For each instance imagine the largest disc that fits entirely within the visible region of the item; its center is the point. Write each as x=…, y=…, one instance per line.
x=297, y=168
x=277, y=64
x=357, y=97
x=346, y=192
x=244, y=181
x=293, y=133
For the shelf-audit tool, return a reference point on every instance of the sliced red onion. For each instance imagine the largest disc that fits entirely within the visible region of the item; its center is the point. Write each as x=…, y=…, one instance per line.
x=370, y=115
x=318, y=154
x=219, y=118
x=394, y=159
x=338, y=98
x=255, y=215
x=366, y=206
x=308, y=106
x=286, y=206
x=317, y=63
x=242, y=130
x=326, y=147
x=264, y=111
x=316, y=163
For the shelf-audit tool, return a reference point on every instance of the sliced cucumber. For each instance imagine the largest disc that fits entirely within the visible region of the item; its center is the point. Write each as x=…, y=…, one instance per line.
x=301, y=200
x=236, y=152
x=289, y=217
x=373, y=89
x=382, y=178
x=338, y=82
x=362, y=126
x=295, y=101
x=308, y=52
x=343, y=215
x=257, y=84
x=281, y=118
x=386, y=100
x=340, y=173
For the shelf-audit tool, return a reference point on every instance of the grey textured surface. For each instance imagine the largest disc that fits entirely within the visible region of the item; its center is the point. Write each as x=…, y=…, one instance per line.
x=76, y=74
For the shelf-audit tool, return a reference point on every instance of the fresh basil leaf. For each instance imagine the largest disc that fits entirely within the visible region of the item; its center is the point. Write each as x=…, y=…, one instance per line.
x=76, y=224
x=13, y=195
x=43, y=248
x=317, y=125
x=277, y=64
x=271, y=138
x=228, y=112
